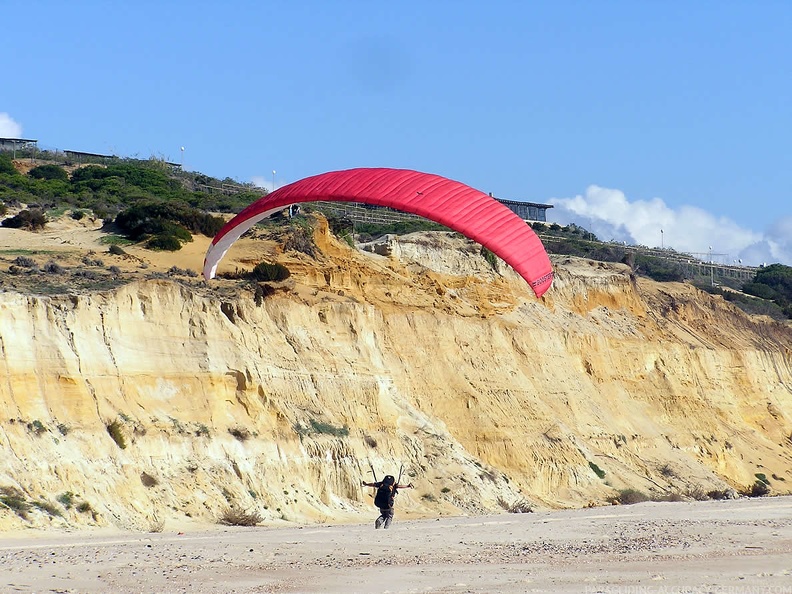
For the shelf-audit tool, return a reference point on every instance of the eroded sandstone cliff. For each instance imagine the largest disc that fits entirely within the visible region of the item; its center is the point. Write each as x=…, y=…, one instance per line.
x=424, y=356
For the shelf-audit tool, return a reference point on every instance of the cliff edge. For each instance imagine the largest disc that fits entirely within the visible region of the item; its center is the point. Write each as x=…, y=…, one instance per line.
x=169, y=400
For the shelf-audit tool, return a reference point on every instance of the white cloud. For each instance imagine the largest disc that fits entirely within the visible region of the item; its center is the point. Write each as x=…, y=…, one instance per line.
x=610, y=215
x=262, y=181
x=8, y=127
x=775, y=245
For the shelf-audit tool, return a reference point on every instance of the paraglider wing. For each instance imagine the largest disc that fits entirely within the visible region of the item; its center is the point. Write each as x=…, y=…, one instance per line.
x=453, y=204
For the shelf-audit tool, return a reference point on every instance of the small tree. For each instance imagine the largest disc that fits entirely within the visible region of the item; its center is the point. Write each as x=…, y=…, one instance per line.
x=49, y=172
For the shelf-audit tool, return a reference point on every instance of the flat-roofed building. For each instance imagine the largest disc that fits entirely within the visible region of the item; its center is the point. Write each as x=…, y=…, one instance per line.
x=17, y=144
x=528, y=211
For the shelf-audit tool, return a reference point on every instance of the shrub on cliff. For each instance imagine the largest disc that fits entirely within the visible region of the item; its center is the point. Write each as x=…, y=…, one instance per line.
x=317, y=427
x=14, y=500
x=758, y=489
x=115, y=431
x=301, y=240
x=264, y=271
x=31, y=219
x=491, y=258
x=240, y=433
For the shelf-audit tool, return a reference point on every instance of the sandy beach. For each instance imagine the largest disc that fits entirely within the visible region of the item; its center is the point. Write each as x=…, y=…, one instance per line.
x=738, y=546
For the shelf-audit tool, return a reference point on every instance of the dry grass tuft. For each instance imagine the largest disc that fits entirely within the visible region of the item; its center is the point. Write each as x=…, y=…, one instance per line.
x=233, y=516
x=521, y=506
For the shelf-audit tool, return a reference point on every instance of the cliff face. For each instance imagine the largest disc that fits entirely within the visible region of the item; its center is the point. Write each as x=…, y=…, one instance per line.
x=425, y=356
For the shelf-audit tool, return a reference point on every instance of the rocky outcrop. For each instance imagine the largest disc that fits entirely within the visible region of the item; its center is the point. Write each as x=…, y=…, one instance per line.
x=167, y=401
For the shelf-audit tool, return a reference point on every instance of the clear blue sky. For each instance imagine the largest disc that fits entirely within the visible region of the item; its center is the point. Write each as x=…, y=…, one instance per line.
x=630, y=117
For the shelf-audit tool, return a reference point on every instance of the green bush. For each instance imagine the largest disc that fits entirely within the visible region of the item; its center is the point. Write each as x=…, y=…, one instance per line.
x=126, y=174
x=301, y=240
x=116, y=431
x=163, y=242
x=491, y=258
x=7, y=165
x=597, y=470
x=154, y=217
x=265, y=271
x=49, y=172
x=759, y=489
x=327, y=428
x=15, y=500
x=762, y=477
x=750, y=305
x=37, y=427
x=322, y=428
x=773, y=283
x=340, y=225
x=760, y=290
x=66, y=499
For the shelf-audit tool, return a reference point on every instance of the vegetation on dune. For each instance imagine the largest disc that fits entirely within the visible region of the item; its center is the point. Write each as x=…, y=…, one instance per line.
x=149, y=200
x=32, y=219
x=773, y=283
x=369, y=231
x=49, y=171
x=159, y=206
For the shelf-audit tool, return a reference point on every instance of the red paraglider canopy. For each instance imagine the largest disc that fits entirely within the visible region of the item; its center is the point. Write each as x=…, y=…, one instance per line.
x=453, y=204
